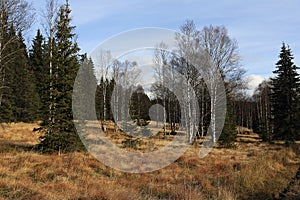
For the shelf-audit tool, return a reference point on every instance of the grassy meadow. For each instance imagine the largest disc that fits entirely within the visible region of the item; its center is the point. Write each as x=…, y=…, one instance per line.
x=254, y=170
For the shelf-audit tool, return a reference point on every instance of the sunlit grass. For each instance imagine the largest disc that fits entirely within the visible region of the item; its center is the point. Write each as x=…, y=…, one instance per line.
x=252, y=171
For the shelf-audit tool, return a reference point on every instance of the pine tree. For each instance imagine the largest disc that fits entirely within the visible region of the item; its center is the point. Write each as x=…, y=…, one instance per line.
x=38, y=63
x=84, y=91
x=285, y=97
x=110, y=84
x=99, y=100
x=25, y=97
x=227, y=137
x=15, y=16
x=18, y=95
x=102, y=101
x=6, y=75
x=61, y=134
x=139, y=106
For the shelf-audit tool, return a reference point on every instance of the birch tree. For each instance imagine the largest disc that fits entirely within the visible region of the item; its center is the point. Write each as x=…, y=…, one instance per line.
x=219, y=56
x=188, y=46
x=263, y=107
x=209, y=55
x=125, y=84
x=116, y=73
x=161, y=59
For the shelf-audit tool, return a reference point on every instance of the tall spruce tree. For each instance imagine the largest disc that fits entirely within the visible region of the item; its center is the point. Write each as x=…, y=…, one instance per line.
x=25, y=97
x=38, y=63
x=285, y=97
x=61, y=134
x=86, y=83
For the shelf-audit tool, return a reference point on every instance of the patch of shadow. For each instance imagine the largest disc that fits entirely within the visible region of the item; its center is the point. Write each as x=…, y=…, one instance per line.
x=250, y=141
x=9, y=147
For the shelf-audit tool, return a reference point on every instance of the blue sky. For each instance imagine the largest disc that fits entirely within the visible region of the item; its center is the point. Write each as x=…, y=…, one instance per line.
x=258, y=26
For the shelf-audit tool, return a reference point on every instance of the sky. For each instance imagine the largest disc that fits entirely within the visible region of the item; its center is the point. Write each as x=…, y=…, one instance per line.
x=259, y=26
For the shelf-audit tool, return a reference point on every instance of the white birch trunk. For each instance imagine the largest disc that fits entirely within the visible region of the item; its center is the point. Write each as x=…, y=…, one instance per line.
x=189, y=114
x=213, y=102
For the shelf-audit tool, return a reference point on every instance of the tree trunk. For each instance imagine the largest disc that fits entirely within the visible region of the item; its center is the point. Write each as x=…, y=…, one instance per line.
x=104, y=109
x=213, y=102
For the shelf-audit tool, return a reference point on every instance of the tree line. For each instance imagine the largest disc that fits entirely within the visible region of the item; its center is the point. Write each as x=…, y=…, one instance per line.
x=36, y=83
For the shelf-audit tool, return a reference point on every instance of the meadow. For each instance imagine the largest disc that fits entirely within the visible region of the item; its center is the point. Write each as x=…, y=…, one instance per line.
x=252, y=170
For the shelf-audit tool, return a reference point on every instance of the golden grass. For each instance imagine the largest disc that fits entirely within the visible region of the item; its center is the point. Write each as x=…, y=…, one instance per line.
x=19, y=133
x=253, y=171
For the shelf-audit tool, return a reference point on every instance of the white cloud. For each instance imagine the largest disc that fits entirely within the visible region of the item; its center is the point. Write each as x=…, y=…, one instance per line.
x=253, y=81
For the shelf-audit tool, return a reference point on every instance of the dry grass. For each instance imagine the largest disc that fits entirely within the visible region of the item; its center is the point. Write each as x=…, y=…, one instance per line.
x=253, y=171
x=19, y=134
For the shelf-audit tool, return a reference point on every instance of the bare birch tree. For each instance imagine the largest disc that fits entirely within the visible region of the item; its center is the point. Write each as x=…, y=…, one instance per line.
x=208, y=56
x=264, y=116
x=219, y=58
x=125, y=75
x=161, y=59
x=188, y=46
x=116, y=73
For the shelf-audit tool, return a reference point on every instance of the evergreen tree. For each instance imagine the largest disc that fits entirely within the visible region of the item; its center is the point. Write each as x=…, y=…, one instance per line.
x=86, y=83
x=15, y=16
x=103, y=99
x=25, y=97
x=18, y=94
x=99, y=100
x=139, y=106
x=285, y=97
x=110, y=84
x=38, y=58
x=227, y=137
x=61, y=134
x=6, y=75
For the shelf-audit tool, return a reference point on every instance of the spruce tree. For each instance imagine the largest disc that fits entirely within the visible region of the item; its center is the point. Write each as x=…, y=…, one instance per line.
x=38, y=63
x=285, y=97
x=25, y=97
x=139, y=106
x=99, y=100
x=109, y=89
x=84, y=91
x=6, y=75
x=228, y=137
x=61, y=134
x=18, y=94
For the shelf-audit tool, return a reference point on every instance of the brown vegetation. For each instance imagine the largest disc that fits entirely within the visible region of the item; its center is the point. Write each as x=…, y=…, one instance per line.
x=254, y=170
